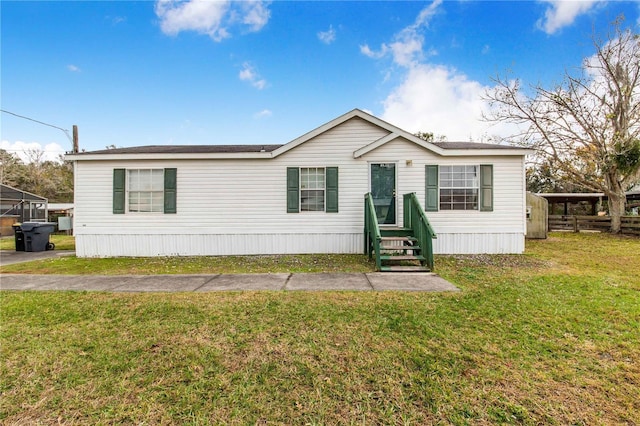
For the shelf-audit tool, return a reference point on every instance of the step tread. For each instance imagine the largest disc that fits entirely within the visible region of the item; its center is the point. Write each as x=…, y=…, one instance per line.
x=400, y=248
x=404, y=269
x=398, y=238
x=397, y=232
x=407, y=257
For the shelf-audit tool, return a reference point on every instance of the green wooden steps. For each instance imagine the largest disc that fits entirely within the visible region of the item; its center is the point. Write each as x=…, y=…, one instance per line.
x=399, y=249
x=400, y=252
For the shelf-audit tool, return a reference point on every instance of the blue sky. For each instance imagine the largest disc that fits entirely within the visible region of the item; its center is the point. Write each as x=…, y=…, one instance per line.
x=251, y=72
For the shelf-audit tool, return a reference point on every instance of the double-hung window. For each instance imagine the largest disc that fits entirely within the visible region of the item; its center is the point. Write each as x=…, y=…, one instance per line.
x=146, y=190
x=459, y=187
x=312, y=189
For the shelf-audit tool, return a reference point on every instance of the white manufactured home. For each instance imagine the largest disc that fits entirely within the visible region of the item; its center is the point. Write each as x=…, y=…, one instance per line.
x=307, y=196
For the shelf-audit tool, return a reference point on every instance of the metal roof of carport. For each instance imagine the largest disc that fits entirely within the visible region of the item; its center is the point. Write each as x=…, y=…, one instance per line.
x=14, y=194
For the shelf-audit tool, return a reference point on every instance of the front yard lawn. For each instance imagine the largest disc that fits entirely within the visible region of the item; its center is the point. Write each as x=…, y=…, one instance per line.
x=62, y=242
x=549, y=337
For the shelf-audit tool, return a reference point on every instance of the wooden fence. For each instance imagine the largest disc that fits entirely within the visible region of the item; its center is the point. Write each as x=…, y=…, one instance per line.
x=629, y=224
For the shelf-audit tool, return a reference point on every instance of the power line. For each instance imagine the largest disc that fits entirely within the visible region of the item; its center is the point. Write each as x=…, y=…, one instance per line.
x=66, y=131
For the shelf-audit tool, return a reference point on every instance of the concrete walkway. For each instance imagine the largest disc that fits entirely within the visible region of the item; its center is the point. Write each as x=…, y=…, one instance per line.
x=9, y=257
x=236, y=282
x=375, y=281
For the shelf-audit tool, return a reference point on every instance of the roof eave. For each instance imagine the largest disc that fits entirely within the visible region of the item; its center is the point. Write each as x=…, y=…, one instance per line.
x=170, y=156
x=501, y=152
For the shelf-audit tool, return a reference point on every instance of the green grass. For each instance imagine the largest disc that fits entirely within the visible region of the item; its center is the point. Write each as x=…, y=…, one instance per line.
x=183, y=265
x=194, y=265
x=62, y=242
x=550, y=337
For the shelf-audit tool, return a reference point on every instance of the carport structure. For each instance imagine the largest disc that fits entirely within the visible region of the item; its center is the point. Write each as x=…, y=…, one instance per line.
x=20, y=206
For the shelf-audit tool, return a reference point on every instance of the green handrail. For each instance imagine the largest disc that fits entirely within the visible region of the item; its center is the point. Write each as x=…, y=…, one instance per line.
x=415, y=218
x=372, y=237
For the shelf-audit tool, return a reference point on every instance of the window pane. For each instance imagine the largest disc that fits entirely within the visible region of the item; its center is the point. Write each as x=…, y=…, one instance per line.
x=146, y=190
x=312, y=187
x=134, y=184
x=312, y=200
x=157, y=183
x=459, y=186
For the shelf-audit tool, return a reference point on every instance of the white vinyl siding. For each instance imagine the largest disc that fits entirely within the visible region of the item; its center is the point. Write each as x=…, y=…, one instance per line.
x=239, y=206
x=467, y=228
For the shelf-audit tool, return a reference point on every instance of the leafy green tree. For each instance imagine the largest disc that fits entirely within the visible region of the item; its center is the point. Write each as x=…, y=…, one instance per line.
x=12, y=170
x=430, y=137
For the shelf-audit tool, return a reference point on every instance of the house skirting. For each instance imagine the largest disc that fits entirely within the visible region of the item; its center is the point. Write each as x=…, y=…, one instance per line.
x=118, y=245
x=489, y=243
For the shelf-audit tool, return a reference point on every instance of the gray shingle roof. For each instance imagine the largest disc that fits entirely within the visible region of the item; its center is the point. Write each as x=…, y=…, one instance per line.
x=473, y=145
x=186, y=149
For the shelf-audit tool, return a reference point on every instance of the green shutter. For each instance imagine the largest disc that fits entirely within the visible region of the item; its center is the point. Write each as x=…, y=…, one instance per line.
x=486, y=188
x=431, y=190
x=170, y=187
x=332, y=189
x=118, y=190
x=293, y=190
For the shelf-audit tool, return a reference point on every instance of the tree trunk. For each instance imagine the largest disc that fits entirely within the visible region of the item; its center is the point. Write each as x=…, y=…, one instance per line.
x=617, y=204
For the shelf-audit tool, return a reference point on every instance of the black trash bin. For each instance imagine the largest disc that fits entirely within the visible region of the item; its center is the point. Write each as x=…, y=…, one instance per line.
x=34, y=236
x=19, y=236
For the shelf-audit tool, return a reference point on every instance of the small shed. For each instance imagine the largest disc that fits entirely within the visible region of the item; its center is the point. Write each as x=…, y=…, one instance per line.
x=20, y=206
x=537, y=214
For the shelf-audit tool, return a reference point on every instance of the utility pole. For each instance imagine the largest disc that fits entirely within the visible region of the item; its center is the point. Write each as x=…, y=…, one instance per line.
x=75, y=139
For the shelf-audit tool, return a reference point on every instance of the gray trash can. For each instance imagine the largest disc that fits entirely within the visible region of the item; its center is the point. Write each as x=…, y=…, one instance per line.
x=34, y=236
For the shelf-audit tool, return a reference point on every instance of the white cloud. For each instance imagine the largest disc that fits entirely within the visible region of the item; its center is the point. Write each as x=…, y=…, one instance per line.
x=115, y=20
x=213, y=18
x=50, y=151
x=249, y=74
x=486, y=49
x=256, y=14
x=366, y=50
x=327, y=37
x=73, y=68
x=441, y=100
x=406, y=48
x=562, y=13
x=263, y=114
x=434, y=98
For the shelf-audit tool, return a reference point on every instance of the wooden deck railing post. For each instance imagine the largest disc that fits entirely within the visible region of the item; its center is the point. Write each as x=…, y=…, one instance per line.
x=372, y=231
x=416, y=219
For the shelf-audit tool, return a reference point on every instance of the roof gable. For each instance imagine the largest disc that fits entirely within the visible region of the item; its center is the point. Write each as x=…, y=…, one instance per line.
x=444, y=149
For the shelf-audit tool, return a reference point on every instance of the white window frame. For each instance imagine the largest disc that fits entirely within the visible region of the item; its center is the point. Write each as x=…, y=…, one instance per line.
x=460, y=184
x=156, y=203
x=303, y=188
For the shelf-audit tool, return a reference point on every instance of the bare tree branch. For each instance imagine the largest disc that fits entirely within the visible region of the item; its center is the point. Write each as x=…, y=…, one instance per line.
x=588, y=128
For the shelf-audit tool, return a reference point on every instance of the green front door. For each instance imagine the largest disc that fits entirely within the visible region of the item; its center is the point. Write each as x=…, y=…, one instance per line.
x=383, y=191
